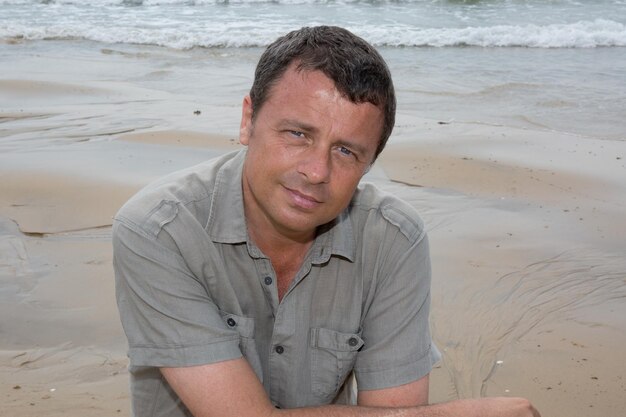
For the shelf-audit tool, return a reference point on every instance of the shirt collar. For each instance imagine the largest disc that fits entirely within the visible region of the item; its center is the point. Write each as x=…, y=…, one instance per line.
x=227, y=223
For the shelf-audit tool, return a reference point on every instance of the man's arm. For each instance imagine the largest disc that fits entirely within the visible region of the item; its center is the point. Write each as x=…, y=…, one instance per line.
x=231, y=389
x=407, y=395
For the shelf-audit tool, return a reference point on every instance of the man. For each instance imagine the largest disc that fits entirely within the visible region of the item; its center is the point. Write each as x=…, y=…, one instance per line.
x=256, y=283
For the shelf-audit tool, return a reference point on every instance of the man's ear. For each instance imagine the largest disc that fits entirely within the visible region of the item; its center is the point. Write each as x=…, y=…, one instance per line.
x=245, y=129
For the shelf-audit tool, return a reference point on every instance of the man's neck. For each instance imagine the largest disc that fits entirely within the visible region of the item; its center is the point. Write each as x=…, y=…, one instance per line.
x=286, y=253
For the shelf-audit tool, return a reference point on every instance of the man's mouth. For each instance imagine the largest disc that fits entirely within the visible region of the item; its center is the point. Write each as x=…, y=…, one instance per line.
x=303, y=200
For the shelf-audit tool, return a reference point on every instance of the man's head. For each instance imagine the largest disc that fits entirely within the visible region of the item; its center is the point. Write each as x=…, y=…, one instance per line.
x=356, y=68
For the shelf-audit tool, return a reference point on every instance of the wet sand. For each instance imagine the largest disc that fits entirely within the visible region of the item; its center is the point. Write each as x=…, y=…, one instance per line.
x=526, y=227
x=528, y=261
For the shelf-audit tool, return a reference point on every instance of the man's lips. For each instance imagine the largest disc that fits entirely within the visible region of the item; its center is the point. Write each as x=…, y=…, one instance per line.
x=303, y=200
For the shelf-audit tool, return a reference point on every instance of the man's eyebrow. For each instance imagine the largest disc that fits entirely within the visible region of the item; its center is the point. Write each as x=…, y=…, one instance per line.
x=299, y=125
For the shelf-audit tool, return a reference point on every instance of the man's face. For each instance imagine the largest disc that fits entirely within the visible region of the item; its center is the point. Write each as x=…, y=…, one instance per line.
x=308, y=147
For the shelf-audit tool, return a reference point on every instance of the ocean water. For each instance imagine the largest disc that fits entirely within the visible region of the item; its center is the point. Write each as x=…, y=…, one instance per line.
x=538, y=64
x=241, y=23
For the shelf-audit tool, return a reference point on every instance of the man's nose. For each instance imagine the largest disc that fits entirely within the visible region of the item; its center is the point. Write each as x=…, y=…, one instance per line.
x=315, y=165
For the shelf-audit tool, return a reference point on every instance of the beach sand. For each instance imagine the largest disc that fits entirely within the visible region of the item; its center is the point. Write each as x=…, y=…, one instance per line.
x=526, y=229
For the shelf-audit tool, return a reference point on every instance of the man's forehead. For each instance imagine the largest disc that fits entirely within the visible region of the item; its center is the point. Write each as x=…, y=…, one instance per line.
x=296, y=74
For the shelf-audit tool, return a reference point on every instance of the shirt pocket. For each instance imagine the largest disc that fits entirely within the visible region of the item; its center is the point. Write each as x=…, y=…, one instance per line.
x=332, y=358
x=245, y=327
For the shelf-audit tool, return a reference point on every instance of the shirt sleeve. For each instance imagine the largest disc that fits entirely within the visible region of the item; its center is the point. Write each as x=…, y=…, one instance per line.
x=398, y=346
x=167, y=313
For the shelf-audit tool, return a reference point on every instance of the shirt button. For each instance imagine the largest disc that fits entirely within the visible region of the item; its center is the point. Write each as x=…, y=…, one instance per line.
x=268, y=280
x=231, y=322
x=353, y=342
x=279, y=349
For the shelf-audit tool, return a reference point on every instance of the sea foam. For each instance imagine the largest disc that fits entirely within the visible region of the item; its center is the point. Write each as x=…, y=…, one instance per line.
x=185, y=24
x=583, y=34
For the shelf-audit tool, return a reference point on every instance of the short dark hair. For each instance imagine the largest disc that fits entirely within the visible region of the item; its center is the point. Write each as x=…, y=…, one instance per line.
x=356, y=68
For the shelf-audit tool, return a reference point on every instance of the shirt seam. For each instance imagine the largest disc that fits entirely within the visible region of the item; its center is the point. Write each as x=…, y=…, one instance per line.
x=418, y=232
x=133, y=226
x=173, y=346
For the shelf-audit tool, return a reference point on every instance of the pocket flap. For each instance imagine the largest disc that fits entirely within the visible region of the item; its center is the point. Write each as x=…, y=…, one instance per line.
x=333, y=340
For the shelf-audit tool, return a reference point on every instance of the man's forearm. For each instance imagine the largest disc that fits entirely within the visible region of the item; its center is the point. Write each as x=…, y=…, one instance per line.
x=231, y=389
x=346, y=411
x=484, y=407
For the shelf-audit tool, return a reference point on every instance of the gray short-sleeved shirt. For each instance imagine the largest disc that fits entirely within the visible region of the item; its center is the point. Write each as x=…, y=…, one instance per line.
x=193, y=289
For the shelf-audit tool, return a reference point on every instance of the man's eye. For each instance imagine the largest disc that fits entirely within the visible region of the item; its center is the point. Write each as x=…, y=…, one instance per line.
x=296, y=134
x=345, y=151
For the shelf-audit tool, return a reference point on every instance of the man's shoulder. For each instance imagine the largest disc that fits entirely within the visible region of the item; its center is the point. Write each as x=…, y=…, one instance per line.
x=371, y=205
x=159, y=202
